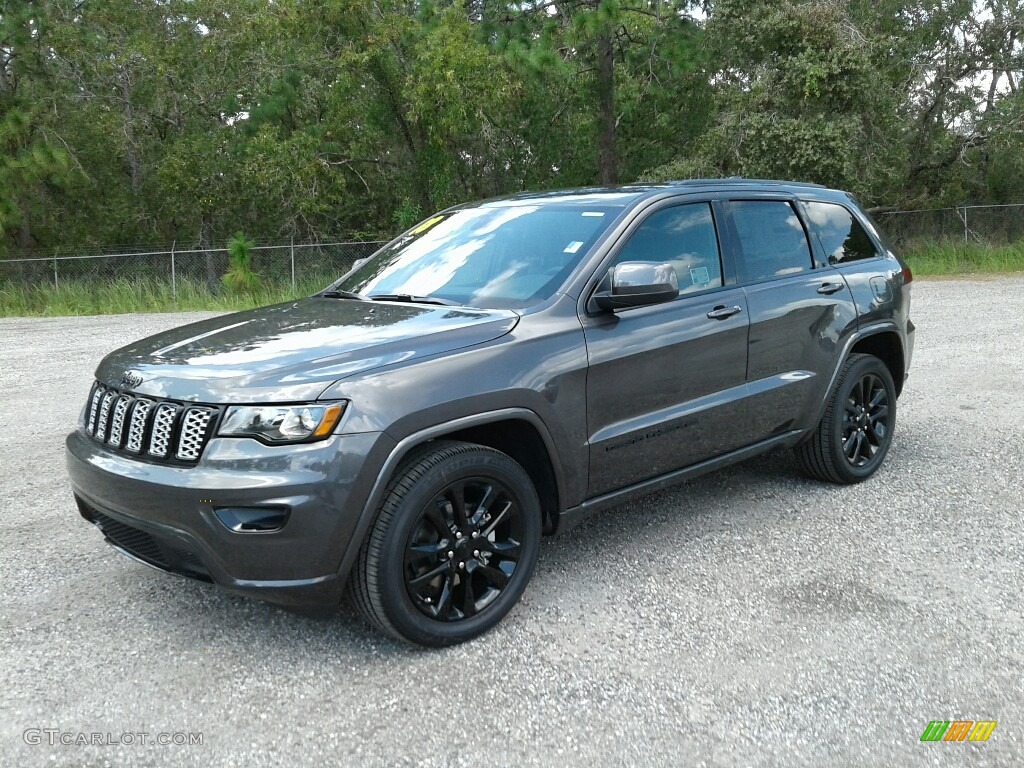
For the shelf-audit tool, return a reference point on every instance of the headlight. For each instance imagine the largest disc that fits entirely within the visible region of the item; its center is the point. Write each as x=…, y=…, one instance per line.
x=282, y=423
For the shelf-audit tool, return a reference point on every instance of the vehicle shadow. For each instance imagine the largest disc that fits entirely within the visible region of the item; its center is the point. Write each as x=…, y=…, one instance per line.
x=694, y=510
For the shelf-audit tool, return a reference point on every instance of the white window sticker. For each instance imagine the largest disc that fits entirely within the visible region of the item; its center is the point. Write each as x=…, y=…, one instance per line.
x=573, y=246
x=700, y=276
x=593, y=213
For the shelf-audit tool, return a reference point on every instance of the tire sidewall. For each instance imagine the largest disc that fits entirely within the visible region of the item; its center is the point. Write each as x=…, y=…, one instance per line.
x=398, y=605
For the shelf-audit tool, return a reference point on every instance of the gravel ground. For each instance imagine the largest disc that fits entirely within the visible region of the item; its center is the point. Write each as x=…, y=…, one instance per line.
x=746, y=618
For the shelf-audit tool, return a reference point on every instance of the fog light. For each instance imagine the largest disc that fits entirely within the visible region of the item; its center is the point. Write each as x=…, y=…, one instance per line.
x=252, y=519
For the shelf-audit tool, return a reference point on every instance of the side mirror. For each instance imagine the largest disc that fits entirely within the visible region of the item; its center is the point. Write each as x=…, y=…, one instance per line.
x=637, y=284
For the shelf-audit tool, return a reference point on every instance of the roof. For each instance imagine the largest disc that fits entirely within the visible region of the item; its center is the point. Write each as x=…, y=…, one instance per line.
x=623, y=195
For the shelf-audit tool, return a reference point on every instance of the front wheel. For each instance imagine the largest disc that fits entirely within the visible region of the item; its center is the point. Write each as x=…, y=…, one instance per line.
x=452, y=547
x=852, y=439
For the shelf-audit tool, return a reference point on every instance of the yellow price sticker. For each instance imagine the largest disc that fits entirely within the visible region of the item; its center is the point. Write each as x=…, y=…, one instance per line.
x=426, y=225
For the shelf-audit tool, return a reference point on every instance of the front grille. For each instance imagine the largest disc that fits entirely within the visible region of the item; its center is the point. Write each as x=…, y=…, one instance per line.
x=158, y=429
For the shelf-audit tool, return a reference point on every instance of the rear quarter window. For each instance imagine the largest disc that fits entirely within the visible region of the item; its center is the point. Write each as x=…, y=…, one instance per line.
x=841, y=236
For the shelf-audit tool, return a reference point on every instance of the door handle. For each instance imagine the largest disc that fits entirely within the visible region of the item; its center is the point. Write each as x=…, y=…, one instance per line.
x=830, y=288
x=722, y=312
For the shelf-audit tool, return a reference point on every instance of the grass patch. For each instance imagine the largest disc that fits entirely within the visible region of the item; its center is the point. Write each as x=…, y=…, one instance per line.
x=121, y=296
x=955, y=258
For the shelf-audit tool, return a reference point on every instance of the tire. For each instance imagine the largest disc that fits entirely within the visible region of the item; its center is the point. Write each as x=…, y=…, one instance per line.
x=853, y=437
x=433, y=574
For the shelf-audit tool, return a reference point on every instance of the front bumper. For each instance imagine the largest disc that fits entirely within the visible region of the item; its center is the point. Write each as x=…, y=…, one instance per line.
x=165, y=516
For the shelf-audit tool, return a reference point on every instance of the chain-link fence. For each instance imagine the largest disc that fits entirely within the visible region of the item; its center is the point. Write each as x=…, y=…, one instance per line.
x=310, y=266
x=986, y=224
x=277, y=265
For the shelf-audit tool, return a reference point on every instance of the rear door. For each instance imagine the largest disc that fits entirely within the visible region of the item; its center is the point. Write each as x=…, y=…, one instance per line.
x=801, y=313
x=844, y=243
x=665, y=383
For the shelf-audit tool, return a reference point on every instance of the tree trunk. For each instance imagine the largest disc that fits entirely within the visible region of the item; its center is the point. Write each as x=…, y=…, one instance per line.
x=206, y=242
x=991, y=100
x=134, y=162
x=392, y=93
x=607, y=157
x=25, y=232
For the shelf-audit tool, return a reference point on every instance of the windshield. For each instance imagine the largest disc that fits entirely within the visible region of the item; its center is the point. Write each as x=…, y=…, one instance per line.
x=506, y=257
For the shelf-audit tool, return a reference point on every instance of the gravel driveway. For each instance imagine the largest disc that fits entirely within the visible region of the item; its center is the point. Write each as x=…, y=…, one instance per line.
x=746, y=618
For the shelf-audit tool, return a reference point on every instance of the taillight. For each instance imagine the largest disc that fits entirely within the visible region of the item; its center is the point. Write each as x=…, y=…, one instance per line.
x=908, y=276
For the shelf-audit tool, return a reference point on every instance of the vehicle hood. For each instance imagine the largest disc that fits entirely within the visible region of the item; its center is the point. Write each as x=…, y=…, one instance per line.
x=292, y=352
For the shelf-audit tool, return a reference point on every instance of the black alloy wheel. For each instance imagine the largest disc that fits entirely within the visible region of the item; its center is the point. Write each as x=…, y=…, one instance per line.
x=464, y=549
x=452, y=546
x=865, y=420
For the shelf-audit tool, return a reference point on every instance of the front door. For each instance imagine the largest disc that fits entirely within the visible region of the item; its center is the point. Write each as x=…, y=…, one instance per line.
x=665, y=387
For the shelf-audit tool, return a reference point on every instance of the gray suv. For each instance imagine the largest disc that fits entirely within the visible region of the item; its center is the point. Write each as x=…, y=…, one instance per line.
x=495, y=374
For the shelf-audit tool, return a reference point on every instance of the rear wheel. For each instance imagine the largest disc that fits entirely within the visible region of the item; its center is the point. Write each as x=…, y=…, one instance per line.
x=852, y=439
x=452, y=547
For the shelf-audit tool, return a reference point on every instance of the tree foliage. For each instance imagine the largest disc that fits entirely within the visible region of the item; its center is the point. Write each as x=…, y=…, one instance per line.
x=147, y=121
x=32, y=160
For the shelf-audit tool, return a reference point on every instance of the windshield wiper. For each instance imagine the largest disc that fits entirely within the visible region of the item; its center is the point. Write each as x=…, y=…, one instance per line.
x=342, y=295
x=412, y=299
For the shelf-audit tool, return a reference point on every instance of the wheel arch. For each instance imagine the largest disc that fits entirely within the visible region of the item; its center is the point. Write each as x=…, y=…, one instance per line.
x=881, y=340
x=885, y=344
x=521, y=440
x=517, y=432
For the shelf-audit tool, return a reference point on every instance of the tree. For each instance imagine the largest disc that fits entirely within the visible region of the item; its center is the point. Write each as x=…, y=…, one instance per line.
x=151, y=121
x=630, y=60
x=32, y=161
x=798, y=96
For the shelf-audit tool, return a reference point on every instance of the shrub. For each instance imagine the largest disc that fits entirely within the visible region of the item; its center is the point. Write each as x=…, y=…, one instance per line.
x=240, y=276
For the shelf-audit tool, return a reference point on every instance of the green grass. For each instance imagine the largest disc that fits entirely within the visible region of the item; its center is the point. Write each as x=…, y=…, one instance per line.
x=120, y=296
x=954, y=258
x=139, y=295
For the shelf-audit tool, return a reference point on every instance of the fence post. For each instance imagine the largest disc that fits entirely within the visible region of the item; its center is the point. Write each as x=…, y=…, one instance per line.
x=966, y=230
x=56, y=284
x=174, y=280
x=293, y=263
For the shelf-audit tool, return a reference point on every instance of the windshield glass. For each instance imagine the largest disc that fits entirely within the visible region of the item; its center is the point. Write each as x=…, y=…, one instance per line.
x=506, y=257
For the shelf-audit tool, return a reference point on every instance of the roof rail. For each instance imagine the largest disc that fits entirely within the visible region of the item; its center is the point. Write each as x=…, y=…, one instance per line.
x=742, y=180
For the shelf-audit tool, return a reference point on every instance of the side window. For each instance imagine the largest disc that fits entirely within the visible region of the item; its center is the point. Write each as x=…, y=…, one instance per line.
x=772, y=239
x=683, y=236
x=841, y=235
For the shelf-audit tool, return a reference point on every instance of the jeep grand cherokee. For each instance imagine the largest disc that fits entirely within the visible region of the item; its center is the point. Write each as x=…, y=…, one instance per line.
x=494, y=374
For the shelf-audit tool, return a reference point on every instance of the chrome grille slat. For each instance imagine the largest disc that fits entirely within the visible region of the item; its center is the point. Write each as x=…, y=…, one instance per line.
x=158, y=429
x=193, y=432
x=104, y=417
x=94, y=406
x=163, y=423
x=117, y=422
x=137, y=426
